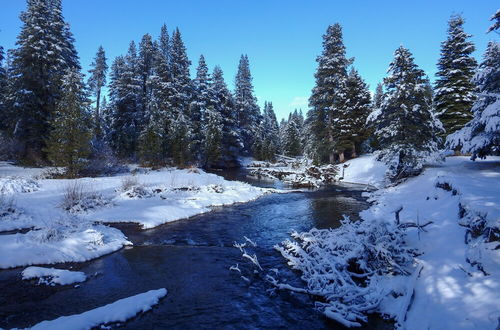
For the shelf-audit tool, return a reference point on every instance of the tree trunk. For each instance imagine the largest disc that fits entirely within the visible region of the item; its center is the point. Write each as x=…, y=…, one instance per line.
x=98, y=115
x=354, y=154
x=332, y=157
x=341, y=157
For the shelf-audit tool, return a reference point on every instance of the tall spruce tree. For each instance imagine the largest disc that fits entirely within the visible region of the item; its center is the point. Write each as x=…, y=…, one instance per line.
x=292, y=142
x=44, y=52
x=352, y=129
x=180, y=99
x=328, y=96
x=203, y=98
x=267, y=142
x=212, y=137
x=454, y=88
x=96, y=82
x=68, y=143
x=247, y=110
x=3, y=90
x=378, y=97
x=481, y=136
x=406, y=127
x=145, y=71
x=224, y=103
x=124, y=90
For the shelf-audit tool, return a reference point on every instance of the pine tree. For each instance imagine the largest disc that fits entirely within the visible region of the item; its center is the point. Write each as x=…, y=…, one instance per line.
x=96, y=82
x=496, y=22
x=179, y=101
x=151, y=139
x=44, y=52
x=68, y=144
x=454, y=88
x=212, y=142
x=145, y=67
x=406, y=127
x=125, y=88
x=292, y=144
x=328, y=96
x=267, y=142
x=247, y=110
x=378, y=97
x=203, y=98
x=180, y=140
x=224, y=103
x=3, y=90
x=352, y=129
x=481, y=136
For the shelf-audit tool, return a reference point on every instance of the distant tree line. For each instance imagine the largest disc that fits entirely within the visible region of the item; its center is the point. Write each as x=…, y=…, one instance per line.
x=157, y=114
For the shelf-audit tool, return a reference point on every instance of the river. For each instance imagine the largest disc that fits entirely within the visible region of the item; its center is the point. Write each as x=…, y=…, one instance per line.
x=191, y=259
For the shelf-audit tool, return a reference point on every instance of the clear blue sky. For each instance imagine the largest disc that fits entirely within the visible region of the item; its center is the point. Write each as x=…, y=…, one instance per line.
x=281, y=38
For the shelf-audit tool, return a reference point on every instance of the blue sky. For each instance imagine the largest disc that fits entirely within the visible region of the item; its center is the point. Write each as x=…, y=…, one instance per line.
x=281, y=38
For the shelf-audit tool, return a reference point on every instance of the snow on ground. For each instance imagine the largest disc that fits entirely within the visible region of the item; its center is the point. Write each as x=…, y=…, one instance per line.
x=450, y=293
x=365, y=170
x=53, y=276
x=119, y=311
x=73, y=230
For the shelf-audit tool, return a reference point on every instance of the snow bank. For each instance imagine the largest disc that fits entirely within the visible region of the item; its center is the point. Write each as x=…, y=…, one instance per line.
x=365, y=170
x=53, y=276
x=451, y=292
x=63, y=216
x=119, y=311
x=169, y=195
x=59, y=244
x=12, y=185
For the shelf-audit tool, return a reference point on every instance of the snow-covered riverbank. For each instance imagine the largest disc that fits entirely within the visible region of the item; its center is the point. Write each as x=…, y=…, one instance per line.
x=63, y=219
x=457, y=258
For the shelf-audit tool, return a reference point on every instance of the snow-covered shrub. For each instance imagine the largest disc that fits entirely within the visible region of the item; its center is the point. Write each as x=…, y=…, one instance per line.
x=129, y=182
x=350, y=267
x=51, y=173
x=56, y=230
x=7, y=207
x=80, y=198
x=13, y=184
x=132, y=188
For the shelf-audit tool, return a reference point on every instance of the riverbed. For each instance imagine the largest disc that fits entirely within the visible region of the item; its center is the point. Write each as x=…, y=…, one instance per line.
x=191, y=258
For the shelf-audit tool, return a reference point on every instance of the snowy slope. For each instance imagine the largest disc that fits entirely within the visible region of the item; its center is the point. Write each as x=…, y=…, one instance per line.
x=450, y=293
x=365, y=170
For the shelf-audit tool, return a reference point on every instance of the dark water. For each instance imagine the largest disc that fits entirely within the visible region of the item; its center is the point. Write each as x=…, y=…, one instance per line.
x=191, y=258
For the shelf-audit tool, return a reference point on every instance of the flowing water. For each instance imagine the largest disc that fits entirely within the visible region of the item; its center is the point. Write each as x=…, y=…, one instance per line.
x=191, y=259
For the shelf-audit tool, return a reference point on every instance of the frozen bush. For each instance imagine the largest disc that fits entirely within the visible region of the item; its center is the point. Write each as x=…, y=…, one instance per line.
x=80, y=198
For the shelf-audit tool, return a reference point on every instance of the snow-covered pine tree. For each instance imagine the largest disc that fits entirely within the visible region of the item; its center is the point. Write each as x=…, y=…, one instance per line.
x=212, y=137
x=151, y=144
x=96, y=82
x=271, y=129
x=3, y=90
x=247, y=110
x=266, y=138
x=179, y=101
x=496, y=22
x=68, y=143
x=406, y=127
x=350, y=126
x=224, y=103
x=124, y=89
x=180, y=140
x=328, y=96
x=44, y=51
x=145, y=66
x=292, y=145
x=481, y=136
x=378, y=97
x=203, y=98
x=454, y=88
